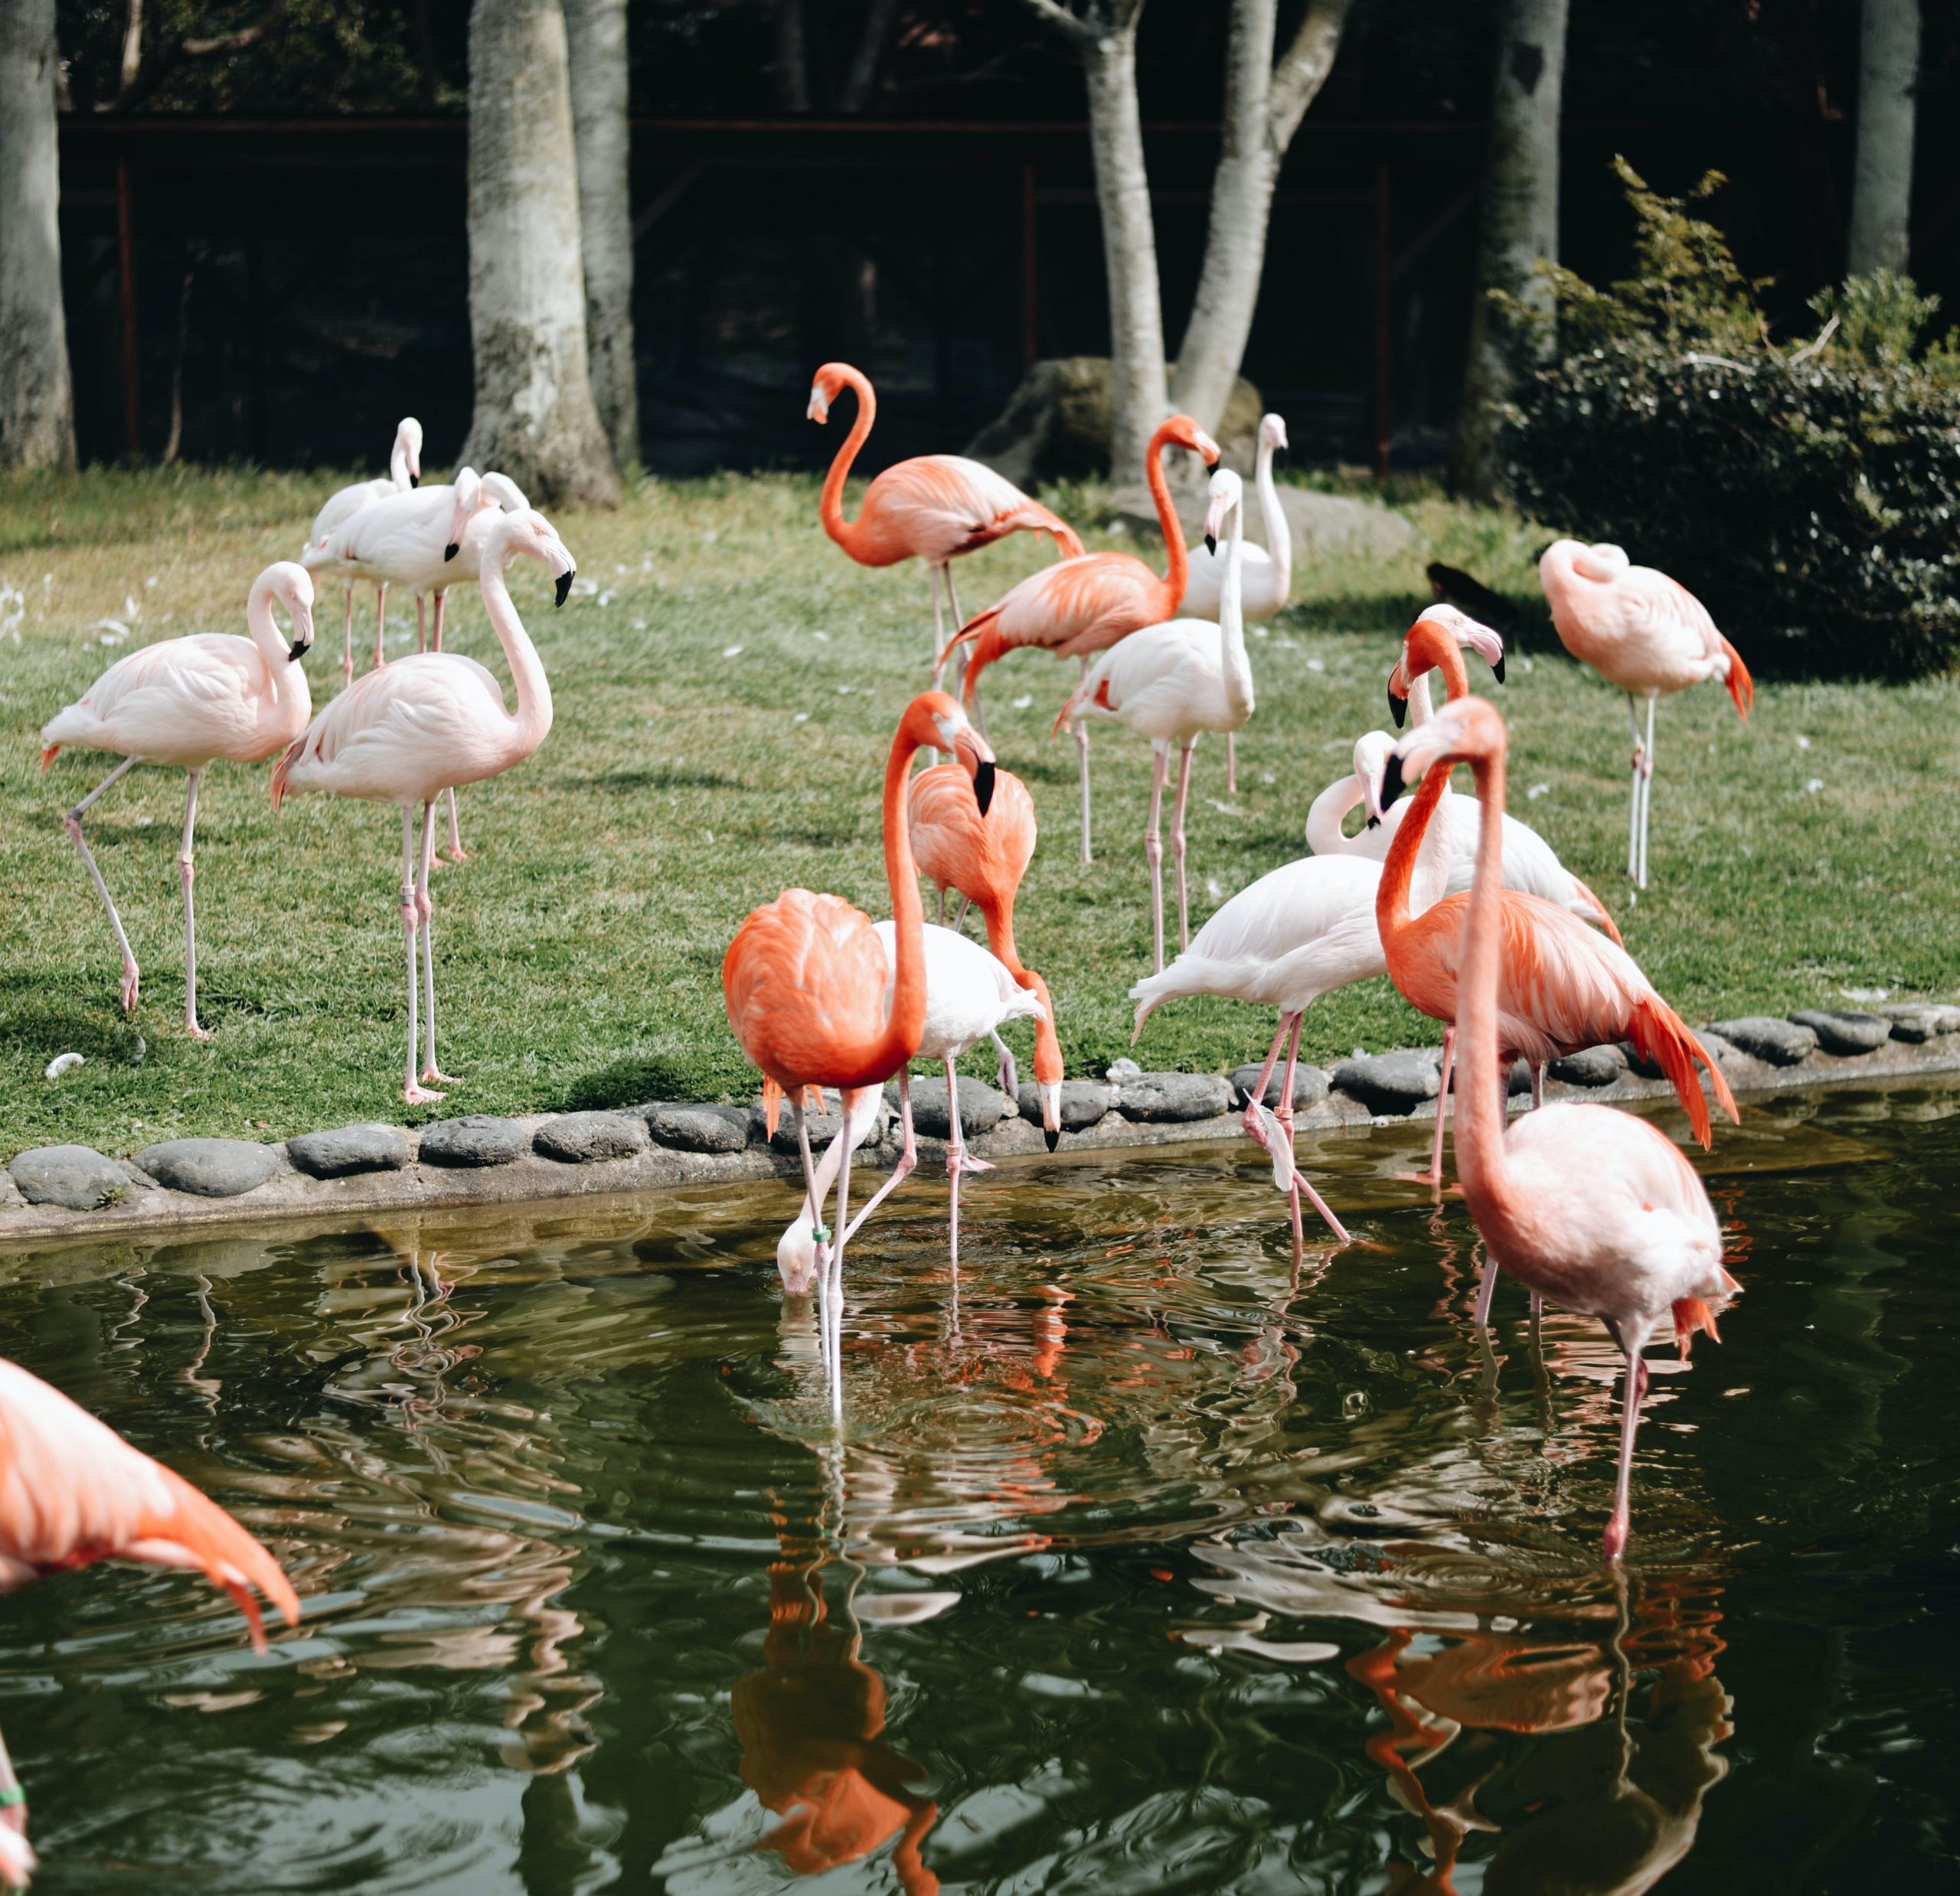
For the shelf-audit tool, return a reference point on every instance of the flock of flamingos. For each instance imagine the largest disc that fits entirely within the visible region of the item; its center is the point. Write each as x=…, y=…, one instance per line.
x=1467, y=910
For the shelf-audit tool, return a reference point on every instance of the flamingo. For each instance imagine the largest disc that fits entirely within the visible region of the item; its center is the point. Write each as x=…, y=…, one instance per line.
x=815, y=1001
x=75, y=1492
x=933, y=507
x=428, y=722
x=1531, y=865
x=404, y=471
x=1590, y=1207
x=985, y=857
x=184, y=702
x=1645, y=633
x=1565, y=987
x=1299, y=932
x=1171, y=682
x=1268, y=569
x=1083, y=605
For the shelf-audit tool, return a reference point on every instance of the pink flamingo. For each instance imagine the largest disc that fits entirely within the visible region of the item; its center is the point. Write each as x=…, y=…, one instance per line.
x=1592, y=1209
x=428, y=722
x=184, y=702
x=984, y=857
x=1647, y=634
x=933, y=507
x=815, y=1001
x=76, y=1493
x=1171, y=683
x=404, y=471
x=1081, y=606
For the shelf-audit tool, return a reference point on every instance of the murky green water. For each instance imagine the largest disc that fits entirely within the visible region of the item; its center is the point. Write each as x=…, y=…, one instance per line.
x=1141, y=1566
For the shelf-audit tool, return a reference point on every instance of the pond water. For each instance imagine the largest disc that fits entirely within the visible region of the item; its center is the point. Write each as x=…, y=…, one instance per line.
x=1139, y=1565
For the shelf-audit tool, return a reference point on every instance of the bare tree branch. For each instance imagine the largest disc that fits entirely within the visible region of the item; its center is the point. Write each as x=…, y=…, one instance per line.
x=133, y=45
x=1072, y=26
x=1300, y=72
x=858, y=83
x=164, y=60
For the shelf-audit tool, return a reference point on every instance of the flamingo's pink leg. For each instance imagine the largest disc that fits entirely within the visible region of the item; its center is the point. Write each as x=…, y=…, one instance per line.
x=1633, y=820
x=421, y=622
x=1231, y=763
x=1285, y=1115
x=1082, y=755
x=1646, y=789
x=908, y=1158
x=1486, y=1288
x=958, y=620
x=1635, y=1391
x=187, y=874
x=1442, y=1101
x=72, y=822
x=380, y=621
x=837, y=1266
x=436, y=633
x=959, y=1161
x=412, y=1088
x=456, y=853
x=1153, y=850
x=1252, y=1119
x=425, y=909
x=959, y=920
x=346, y=638
x=1537, y=1085
x=1177, y=852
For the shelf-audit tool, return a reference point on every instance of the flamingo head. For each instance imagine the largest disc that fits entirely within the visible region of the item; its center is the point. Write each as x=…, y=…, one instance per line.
x=1272, y=431
x=798, y=1255
x=408, y=445
x=832, y=378
x=468, y=486
x=292, y=586
x=1442, y=626
x=934, y=720
x=1465, y=731
x=1180, y=431
x=1605, y=562
x=1227, y=492
x=527, y=531
x=1372, y=751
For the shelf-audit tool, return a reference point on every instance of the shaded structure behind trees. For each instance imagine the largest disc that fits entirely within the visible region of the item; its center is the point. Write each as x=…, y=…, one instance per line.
x=1882, y=184
x=595, y=35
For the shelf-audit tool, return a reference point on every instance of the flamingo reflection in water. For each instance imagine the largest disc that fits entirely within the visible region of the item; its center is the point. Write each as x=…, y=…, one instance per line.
x=1611, y=1806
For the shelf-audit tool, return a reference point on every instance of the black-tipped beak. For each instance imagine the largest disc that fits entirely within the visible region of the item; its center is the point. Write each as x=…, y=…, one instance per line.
x=415, y=480
x=1211, y=543
x=1053, y=1138
x=1497, y=670
x=1374, y=822
x=983, y=785
x=1398, y=708
x=1211, y=461
x=452, y=550
x=565, y=592
x=1391, y=785
x=299, y=651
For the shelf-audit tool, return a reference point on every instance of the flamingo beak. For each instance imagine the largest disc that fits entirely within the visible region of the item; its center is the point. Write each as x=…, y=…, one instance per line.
x=564, y=589
x=1211, y=543
x=1398, y=708
x=1391, y=785
x=1497, y=668
x=452, y=550
x=415, y=480
x=819, y=408
x=983, y=783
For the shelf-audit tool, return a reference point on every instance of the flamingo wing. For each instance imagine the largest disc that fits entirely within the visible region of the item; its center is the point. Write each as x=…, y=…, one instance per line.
x=938, y=505
x=181, y=700
x=804, y=974
x=428, y=708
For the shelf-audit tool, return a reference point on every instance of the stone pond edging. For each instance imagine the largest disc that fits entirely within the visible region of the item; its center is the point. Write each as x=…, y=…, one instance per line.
x=477, y=1159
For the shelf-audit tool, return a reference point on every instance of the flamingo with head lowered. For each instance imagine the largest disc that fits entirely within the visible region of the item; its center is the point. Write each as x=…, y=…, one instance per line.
x=933, y=507
x=1079, y=607
x=1590, y=1208
x=1647, y=634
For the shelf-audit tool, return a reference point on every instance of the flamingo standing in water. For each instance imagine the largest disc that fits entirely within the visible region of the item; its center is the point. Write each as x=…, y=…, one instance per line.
x=1647, y=634
x=933, y=507
x=984, y=857
x=1081, y=606
x=1268, y=580
x=75, y=1492
x=428, y=722
x=815, y=1001
x=404, y=471
x=1171, y=683
x=1591, y=1208
x=184, y=702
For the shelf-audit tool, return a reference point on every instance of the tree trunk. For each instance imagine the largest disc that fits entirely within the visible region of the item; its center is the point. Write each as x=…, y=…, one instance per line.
x=1520, y=224
x=36, y=399
x=1263, y=109
x=1882, y=185
x=1139, y=399
x=595, y=33
x=534, y=420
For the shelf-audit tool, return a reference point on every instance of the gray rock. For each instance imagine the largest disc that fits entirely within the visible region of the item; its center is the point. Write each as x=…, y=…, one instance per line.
x=1765, y=1037
x=1310, y=1084
x=1723, y=1052
x=823, y=1128
x=1917, y=1022
x=1083, y=1102
x=209, y=1168
x=1647, y=1068
x=1173, y=1098
x=1121, y=1072
x=347, y=1150
x=1844, y=1030
x=474, y=1139
x=981, y=1108
x=1590, y=1066
x=77, y=1178
x=585, y=1138
x=1520, y=1077
x=698, y=1128
x=1390, y=1083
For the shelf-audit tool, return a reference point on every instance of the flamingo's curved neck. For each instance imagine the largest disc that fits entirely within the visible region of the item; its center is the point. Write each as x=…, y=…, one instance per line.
x=1238, y=671
x=532, y=721
x=999, y=918
x=1279, y=532
x=1325, y=835
x=258, y=621
x=1176, y=572
x=1480, y=1154
x=398, y=464
x=1421, y=706
x=1428, y=650
x=846, y=534
x=1403, y=895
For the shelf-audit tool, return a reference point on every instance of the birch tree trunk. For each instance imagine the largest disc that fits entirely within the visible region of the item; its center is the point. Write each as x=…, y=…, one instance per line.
x=534, y=420
x=36, y=399
x=1263, y=108
x=595, y=34
x=1520, y=224
x=1882, y=185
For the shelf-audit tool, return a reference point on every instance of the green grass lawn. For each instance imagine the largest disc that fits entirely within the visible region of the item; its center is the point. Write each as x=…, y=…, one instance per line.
x=724, y=700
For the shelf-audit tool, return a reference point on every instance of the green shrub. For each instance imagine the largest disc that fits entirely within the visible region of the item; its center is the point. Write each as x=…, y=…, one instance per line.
x=1809, y=493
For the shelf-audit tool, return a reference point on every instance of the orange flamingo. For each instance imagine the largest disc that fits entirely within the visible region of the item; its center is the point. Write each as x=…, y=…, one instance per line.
x=984, y=855
x=1564, y=987
x=805, y=981
x=75, y=1492
x=932, y=507
x=1592, y=1208
x=1083, y=605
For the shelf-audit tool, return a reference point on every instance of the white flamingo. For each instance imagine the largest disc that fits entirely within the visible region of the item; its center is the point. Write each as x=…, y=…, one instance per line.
x=404, y=471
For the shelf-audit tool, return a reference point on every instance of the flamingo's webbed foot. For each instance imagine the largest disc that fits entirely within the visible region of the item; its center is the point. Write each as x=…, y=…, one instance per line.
x=418, y=1095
